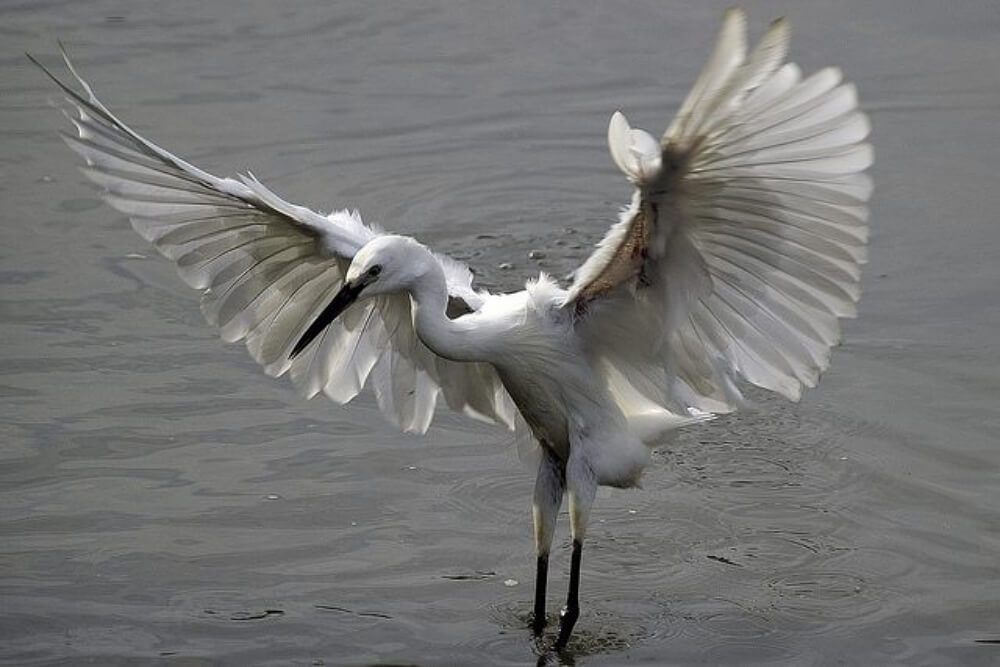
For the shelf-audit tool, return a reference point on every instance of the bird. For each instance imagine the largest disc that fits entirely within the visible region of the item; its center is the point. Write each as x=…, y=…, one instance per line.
x=731, y=266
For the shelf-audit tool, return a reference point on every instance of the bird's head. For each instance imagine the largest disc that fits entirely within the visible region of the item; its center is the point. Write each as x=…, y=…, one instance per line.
x=384, y=265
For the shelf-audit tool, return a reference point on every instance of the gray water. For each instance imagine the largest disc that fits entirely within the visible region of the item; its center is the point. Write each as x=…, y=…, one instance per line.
x=161, y=499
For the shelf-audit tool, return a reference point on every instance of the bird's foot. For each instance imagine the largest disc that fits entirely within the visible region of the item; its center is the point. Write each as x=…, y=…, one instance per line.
x=567, y=619
x=538, y=624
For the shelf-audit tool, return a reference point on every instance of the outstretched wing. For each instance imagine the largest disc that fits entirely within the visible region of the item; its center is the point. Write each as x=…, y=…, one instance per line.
x=267, y=267
x=743, y=242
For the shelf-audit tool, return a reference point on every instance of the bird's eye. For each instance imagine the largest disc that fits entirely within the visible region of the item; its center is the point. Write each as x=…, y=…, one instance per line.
x=375, y=271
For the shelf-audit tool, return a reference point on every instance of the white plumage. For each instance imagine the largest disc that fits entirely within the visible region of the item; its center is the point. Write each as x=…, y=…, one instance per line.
x=738, y=253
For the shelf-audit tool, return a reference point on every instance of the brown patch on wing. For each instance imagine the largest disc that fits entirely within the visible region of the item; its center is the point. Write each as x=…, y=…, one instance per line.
x=627, y=260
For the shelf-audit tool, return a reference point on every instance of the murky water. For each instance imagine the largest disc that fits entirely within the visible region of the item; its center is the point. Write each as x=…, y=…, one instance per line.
x=161, y=498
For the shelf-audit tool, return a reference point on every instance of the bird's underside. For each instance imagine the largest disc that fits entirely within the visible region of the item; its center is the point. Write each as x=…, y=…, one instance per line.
x=736, y=256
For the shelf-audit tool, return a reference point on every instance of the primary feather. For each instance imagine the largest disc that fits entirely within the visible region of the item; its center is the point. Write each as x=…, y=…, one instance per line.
x=267, y=267
x=743, y=242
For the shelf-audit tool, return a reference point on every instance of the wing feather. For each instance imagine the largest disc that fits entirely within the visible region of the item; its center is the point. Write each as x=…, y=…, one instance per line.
x=729, y=53
x=754, y=229
x=266, y=267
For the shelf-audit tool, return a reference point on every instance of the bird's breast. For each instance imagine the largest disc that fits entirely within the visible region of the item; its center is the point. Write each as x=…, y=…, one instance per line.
x=534, y=397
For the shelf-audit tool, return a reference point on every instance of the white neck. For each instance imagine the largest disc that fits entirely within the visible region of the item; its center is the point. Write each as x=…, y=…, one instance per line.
x=452, y=339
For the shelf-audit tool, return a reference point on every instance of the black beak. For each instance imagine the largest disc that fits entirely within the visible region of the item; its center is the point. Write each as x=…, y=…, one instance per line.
x=347, y=295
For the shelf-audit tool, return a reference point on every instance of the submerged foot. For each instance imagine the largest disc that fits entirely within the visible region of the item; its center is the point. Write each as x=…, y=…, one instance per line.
x=538, y=624
x=567, y=619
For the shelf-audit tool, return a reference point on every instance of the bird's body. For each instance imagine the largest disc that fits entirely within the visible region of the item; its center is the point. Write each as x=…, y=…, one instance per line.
x=738, y=253
x=558, y=387
x=531, y=340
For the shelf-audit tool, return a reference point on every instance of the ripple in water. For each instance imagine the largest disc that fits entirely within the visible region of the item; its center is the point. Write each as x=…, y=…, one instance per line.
x=602, y=634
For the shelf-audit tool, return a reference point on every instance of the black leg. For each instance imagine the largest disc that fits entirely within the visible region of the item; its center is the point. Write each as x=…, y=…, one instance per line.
x=549, y=488
x=572, y=609
x=541, y=577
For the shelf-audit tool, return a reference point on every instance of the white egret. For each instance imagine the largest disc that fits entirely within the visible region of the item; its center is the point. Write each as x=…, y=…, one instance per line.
x=738, y=253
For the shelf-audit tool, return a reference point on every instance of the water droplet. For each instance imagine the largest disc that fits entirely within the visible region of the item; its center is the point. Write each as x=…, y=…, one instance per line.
x=272, y=496
x=510, y=583
x=505, y=266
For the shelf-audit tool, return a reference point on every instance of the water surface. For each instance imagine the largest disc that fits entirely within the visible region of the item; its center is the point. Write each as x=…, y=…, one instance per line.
x=161, y=498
